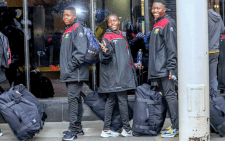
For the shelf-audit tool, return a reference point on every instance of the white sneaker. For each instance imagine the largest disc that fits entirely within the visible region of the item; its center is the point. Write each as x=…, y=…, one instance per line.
x=109, y=134
x=1, y=132
x=126, y=134
x=165, y=130
x=170, y=133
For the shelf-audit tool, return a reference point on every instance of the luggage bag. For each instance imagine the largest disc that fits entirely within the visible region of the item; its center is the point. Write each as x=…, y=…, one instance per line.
x=30, y=97
x=149, y=111
x=21, y=115
x=217, y=112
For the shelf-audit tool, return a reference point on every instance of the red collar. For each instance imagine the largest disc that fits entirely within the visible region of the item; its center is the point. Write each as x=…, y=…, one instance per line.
x=161, y=15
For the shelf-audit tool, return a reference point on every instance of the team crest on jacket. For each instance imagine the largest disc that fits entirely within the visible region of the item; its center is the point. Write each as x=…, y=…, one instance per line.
x=67, y=35
x=81, y=34
x=156, y=31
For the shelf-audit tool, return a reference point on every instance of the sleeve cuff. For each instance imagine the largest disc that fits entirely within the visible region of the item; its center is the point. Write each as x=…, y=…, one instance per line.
x=172, y=72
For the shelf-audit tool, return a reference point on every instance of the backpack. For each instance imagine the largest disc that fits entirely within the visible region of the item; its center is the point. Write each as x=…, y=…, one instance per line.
x=217, y=112
x=21, y=115
x=5, y=51
x=93, y=48
x=149, y=111
x=41, y=86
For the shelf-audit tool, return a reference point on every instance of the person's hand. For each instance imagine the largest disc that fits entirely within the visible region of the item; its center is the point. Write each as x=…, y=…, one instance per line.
x=137, y=66
x=170, y=76
x=103, y=46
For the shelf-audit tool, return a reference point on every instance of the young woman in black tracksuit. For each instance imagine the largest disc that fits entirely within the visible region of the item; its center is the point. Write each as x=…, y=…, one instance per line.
x=117, y=75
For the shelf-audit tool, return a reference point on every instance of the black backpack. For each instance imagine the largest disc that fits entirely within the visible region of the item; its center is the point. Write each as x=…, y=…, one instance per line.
x=149, y=111
x=41, y=86
x=217, y=112
x=21, y=115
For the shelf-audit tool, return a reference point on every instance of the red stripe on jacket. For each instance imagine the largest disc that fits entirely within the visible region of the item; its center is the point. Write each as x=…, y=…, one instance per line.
x=111, y=36
x=71, y=28
x=162, y=23
x=223, y=36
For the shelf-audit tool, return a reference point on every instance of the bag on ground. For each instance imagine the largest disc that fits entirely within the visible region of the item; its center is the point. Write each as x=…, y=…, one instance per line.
x=149, y=111
x=217, y=112
x=30, y=97
x=21, y=115
x=41, y=86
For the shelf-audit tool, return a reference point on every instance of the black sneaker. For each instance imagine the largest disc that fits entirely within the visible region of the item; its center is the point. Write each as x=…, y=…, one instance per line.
x=69, y=136
x=78, y=132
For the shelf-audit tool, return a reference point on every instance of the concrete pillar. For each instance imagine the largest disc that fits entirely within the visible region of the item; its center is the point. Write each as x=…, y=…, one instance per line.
x=193, y=70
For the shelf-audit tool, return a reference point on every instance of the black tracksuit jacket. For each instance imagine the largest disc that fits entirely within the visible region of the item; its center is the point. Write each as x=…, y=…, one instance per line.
x=163, y=48
x=72, y=53
x=3, y=60
x=117, y=71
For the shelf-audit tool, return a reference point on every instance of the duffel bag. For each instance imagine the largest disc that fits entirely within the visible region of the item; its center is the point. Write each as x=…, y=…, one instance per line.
x=217, y=112
x=149, y=111
x=21, y=115
x=30, y=97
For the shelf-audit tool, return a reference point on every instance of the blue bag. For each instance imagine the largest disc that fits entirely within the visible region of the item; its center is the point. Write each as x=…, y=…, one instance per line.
x=93, y=48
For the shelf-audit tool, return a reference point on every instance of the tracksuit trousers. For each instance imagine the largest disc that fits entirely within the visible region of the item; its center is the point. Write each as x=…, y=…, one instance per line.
x=123, y=107
x=167, y=88
x=213, y=59
x=75, y=104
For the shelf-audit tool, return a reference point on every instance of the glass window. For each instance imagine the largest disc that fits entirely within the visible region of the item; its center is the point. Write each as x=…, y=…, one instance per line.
x=46, y=28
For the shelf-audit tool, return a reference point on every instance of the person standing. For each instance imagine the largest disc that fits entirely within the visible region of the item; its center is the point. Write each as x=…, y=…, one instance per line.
x=117, y=75
x=73, y=70
x=215, y=29
x=5, y=61
x=163, y=60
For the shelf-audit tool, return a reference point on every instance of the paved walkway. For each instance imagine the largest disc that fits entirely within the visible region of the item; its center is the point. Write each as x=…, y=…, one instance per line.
x=52, y=131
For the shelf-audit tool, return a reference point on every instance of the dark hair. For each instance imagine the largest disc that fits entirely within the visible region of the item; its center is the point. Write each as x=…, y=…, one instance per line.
x=209, y=1
x=112, y=14
x=71, y=9
x=161, y=1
